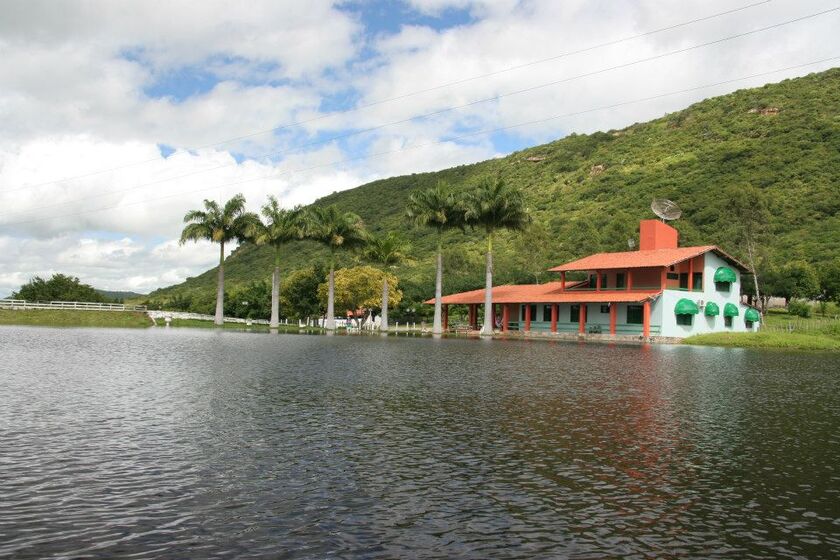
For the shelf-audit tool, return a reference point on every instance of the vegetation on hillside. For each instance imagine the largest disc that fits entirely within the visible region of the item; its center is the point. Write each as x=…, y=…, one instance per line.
x=587, y=193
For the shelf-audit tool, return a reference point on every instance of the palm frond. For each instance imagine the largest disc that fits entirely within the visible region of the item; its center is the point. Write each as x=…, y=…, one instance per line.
x=493, y=205
x=437, y=207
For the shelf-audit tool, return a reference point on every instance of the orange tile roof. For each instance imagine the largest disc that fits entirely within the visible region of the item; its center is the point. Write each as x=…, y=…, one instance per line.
x=548, y=293
x=639, y=259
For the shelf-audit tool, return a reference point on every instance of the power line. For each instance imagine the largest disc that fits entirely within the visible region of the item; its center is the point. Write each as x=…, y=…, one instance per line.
x=428, y=144
x=453, y=108
x=413, y=93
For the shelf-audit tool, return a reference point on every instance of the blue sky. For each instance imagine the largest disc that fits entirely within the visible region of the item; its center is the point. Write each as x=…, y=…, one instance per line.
x=120, y=117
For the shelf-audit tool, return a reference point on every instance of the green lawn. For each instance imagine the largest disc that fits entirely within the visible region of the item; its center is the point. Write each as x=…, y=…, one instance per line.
x=789, y=341
x=780, y=330
x=74, y=318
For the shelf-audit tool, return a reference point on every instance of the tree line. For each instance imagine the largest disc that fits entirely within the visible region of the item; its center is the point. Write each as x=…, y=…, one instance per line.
x=491, y=205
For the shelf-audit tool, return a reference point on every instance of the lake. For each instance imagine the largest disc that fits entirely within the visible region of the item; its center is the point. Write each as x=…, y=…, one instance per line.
x=180, y=443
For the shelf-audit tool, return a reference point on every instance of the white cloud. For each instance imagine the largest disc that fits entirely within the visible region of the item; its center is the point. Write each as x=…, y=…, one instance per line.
x=123, y=264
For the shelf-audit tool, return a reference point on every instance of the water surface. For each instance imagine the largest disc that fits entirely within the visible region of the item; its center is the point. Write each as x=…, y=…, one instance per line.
x=179, y=443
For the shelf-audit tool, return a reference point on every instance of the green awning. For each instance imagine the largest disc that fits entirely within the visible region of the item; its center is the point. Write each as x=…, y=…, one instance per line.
x=712, y=309
x=752, y=315
x=725, y=274
x=686, y=307
x=730, y=310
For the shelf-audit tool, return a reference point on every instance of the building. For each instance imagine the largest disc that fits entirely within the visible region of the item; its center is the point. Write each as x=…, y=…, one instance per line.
x=660, y=290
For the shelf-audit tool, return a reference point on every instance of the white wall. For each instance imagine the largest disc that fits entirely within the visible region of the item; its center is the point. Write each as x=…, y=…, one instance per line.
x=663, y=310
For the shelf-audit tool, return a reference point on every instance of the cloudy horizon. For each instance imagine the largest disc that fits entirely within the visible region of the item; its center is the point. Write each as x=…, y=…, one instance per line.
x=117, y=118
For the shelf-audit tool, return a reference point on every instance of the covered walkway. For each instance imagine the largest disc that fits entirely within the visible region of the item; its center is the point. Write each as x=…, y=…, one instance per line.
x=515, y=307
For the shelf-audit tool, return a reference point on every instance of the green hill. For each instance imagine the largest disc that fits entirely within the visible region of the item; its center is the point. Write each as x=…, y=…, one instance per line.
x=120, y=295
x=587, y=193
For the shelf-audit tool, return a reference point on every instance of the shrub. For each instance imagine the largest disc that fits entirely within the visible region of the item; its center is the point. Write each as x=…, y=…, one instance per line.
x=799, y=308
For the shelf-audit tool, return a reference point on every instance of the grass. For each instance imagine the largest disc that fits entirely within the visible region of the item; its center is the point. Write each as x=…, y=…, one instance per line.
x=813, y=333
x=785, y=341
x=74, y=318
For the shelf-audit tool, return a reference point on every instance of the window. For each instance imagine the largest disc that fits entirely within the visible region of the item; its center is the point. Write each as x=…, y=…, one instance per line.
x=749, y=324
x=574, y=314
x=684, y=319
x=684, y=280
x=727, y=321
x=605, y=309
x=604, y=281
x=592, y=280
x=533, y=312
x=671, y=268
x=673, y=276
x=697, y=281
x=722, y=286
x=546, y=313
x=619, y=280
x=635, y=314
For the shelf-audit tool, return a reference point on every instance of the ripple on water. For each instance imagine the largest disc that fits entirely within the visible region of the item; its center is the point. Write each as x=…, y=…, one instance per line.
x=181, y=443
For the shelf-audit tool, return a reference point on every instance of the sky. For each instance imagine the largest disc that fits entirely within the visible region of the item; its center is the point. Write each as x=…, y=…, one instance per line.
x=116, y=118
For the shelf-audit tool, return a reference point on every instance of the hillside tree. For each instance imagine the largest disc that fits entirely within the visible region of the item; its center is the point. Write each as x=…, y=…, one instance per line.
x=219, y=224
x=494, y=205
x=440, y=209
x=338, y=231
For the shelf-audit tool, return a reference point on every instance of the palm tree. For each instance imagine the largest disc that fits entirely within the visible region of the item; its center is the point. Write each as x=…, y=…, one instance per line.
x=494, y=205
x=281, y=226
x=387, y=250
x=440, y=209
x=336, y=230
x=221, y=225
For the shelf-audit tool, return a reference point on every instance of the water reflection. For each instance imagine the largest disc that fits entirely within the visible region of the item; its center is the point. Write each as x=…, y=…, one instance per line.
x=227, y=444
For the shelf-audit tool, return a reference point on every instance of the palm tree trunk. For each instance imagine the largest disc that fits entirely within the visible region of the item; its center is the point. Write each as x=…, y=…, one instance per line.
x=275, y=294
x=754, y=275
x=437, y=324
x=383, y=325
x=330, y=323
x=220, y=288
x=487, y=328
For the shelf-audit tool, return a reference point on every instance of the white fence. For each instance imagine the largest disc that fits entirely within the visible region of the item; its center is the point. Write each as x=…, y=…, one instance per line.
x=82, y=305
x=200, y=317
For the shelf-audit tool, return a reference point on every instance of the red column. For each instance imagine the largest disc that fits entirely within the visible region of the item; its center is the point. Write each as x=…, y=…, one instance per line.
x=629, y=280
x=554, y=312
x=664, y=277
x=505, y=317
x=646, y=320
x=563, y=281
x=527, y=317
x=597, y=280
x=613, y=317
x=582, y=319
x=445, y=316
x=690, y=275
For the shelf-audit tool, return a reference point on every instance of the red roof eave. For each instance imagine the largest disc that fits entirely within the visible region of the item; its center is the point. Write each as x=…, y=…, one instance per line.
x=527, y=294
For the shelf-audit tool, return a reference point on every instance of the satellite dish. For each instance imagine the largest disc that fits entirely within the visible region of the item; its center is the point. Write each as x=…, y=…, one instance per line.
x=665, y=209
x=631, y=242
